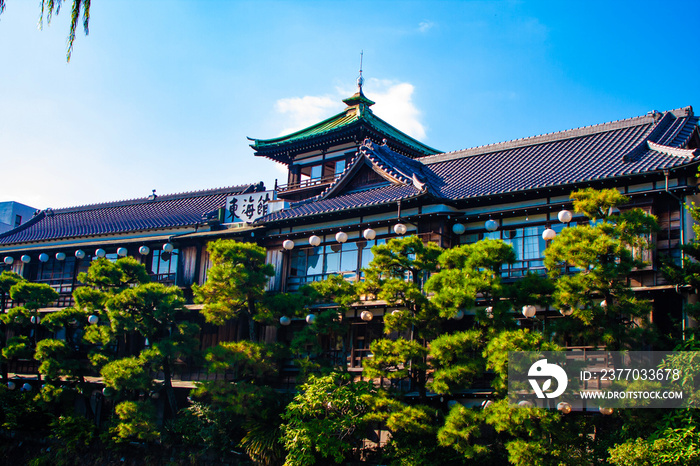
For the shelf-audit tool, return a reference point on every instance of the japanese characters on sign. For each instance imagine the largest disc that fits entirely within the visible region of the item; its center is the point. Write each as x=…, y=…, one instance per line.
x=250, y=207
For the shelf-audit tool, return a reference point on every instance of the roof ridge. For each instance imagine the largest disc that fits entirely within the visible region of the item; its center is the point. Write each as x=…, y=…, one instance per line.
x=650, y=117
x=159, y=198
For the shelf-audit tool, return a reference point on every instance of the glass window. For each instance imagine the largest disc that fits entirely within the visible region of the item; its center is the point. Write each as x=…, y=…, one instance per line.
x=339, y=167
x=316, y=171
x=164, y=265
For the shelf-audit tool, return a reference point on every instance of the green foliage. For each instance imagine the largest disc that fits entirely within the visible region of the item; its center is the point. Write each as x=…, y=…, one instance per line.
x=74, y=433
x=126, y=373
x=395, y=359
x=324, y=422
x=135, y=421
x=17, y=347
x=456, y=359
x=33, y=295
x=53, y=356
x=672, y=447
x=246, y=359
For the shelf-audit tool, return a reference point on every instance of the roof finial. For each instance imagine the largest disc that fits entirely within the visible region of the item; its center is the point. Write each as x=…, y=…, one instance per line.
x=360, y=79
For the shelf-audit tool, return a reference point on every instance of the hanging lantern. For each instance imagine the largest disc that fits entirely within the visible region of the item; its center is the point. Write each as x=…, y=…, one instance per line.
x=100, y=253
x=489, y=312
x=288, y=244
x=311, y=319
x=284, y=320
x=8, y=260
x=93, y=319
x=395, y=312
x=566, y=311
x=26, y=387
x=341, y=237
x=564, y=407
x=459, y=315
x=60, y=256
x=369, y=234
x=35, y=319
x=604, y=304
x=168, y=247
x=43, y=257
x=80, y=254
x=549, y=234
x=605, y=411
x=400, y=229
x=458, y=229
x=366, y=316
x=491, y=225
x=564, y=216
x=525, y=404
x=122, y=252
x=11, y=385
x=529, y=310
x=26, y=259
x=315, y=241
x=144, y=250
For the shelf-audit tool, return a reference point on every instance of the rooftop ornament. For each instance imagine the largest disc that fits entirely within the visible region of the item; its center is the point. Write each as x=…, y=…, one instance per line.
x=491, y=225
x=288, y=244
x=315, y=241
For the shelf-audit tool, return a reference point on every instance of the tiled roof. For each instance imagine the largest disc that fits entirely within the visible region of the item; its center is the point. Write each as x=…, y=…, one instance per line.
x=165, y=211
x=650, y=143
x=585, y=154
x=358, y=112
x=353, y=200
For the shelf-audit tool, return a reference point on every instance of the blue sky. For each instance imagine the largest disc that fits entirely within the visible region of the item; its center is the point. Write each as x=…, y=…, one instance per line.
x=162, y=94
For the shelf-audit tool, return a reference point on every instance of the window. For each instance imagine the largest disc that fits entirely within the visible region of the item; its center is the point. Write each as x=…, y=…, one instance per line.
x=317, y=263
x=18, y=220
x=164, y=266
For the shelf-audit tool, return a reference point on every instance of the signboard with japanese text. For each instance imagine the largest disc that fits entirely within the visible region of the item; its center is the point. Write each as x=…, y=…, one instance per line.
x=250, y=207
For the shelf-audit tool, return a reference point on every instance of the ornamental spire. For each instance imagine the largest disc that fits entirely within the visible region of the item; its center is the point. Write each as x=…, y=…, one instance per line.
x=360, y=79
x=359, y=97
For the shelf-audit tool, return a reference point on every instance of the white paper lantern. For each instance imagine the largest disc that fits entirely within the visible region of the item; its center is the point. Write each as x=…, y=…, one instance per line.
x=11, y=385
x=80, y=254
x=549, y=234
x=525, y=404
x=369, y=234
x=529, y=310
x=566, y=311
x=366, y=316
x=400, y=229
x=458, y=229
x=122, y=252
x=100, y=252
x=288, y=244
x=489, y=312
x=26, y=387
x=8, y=260
x=60, y=256
x=564, y=216
x=491, y=225
x=605, y=411
x=603, y=304
x=144, y=250
x=341, y=237
x=315, y=241
x=43, y=257
x=168, y=247
x=459, y=315
x=26, y=259
x=564, y=407
x=93, y=319
x=284, y=320
x=311, y=319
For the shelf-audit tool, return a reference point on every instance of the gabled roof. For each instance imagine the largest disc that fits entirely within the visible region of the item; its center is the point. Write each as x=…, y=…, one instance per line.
x=150, y=213
x=347, y=125
x=648, y=144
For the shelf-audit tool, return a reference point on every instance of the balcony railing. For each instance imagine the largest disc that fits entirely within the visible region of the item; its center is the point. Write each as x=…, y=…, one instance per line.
x=306, y=183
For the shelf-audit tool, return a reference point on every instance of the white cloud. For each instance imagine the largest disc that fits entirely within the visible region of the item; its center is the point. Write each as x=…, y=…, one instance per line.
x=306, y=111
x=425, y=26
x=393, y=103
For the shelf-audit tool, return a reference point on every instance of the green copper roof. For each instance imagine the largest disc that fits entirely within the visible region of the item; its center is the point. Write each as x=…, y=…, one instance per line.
x=358, y=111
